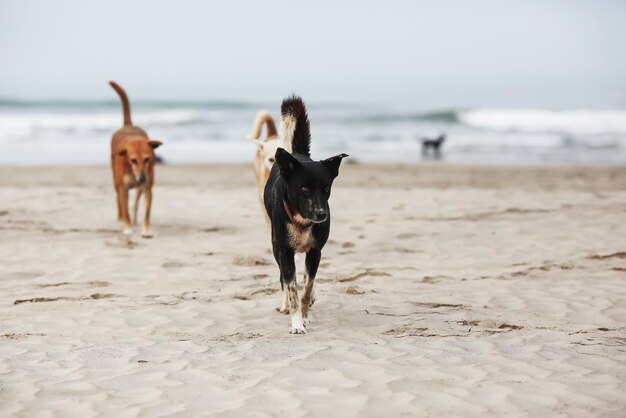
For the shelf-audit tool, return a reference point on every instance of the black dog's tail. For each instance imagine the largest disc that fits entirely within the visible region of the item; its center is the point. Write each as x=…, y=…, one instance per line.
x=125, y=103
x=295, y=125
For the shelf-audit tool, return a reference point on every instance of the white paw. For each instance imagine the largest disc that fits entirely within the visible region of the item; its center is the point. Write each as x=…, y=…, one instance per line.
x=297, y=324
x=147, y=234
x=301, y=330
x=282, y=310
x=127, y=231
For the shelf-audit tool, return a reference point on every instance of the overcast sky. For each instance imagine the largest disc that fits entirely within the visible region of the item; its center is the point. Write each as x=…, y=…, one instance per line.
x=435, y=53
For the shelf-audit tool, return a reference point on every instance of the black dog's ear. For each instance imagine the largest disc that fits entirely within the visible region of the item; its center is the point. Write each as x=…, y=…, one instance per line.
x=332, y=164
x=286, y=162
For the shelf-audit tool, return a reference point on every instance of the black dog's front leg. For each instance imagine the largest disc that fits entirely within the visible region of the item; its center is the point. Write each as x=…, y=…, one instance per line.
x=288, y=273
x=284, y=308
x=312, y=262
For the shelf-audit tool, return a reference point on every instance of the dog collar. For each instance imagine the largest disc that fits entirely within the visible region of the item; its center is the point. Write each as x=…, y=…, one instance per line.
x=292, y=219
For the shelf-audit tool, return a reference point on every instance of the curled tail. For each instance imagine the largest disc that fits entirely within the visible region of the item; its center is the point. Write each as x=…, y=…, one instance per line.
x=264, y=118
x=125, y=103
x=295, y=125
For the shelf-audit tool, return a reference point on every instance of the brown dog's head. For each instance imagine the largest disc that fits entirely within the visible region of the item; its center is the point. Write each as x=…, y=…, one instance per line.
x=140, y=156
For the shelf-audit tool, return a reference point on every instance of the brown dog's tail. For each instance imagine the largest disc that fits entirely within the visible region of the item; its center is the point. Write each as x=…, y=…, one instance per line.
x=125, y=102
x=264, y=118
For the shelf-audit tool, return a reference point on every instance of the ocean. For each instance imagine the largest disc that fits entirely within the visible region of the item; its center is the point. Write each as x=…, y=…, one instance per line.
x=79, y=132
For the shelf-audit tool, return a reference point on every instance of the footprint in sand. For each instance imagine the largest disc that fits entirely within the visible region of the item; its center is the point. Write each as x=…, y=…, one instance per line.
x=434, y=279
x=619, y=254
x=67, y=298
x=93, y=283
x=490, y=324
x=14, y=336
x=406, y=332
x=251, y=261
x=434, y=305
x=207, y=254
x=173, y=264
x=123, y=242
x=368, y=272
x=459, y=329
x=262, y=291
x=238, y=336
x=217, y=229
x=260, y=276
x=354, y=290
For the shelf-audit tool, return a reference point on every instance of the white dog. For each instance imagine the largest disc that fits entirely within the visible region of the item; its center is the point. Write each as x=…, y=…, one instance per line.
x=266, y=149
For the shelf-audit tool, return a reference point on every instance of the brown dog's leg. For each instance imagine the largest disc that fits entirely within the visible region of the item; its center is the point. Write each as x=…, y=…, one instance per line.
x=119, y=205
x=117, y=193
x=123, y=194
x=136, y=206
x=146, y=232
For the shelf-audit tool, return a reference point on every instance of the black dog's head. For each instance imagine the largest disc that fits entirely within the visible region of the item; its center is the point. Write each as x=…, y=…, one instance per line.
x=308, y=183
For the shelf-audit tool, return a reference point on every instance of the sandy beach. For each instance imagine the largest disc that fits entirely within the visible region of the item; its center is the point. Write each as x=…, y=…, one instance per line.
x=444, y=290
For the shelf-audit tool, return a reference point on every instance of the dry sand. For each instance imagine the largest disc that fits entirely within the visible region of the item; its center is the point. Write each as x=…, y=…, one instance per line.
x=444, y=290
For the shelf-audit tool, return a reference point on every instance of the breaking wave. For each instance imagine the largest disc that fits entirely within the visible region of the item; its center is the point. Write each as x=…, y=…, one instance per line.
x=66, y=132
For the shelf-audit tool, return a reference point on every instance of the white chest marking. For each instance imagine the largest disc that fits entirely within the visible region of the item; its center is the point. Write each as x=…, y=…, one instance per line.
x=301, y=240
x=129, y=181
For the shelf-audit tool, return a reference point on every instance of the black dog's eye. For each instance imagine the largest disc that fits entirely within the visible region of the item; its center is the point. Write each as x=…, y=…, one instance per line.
x=133, y=160
x=304, y=190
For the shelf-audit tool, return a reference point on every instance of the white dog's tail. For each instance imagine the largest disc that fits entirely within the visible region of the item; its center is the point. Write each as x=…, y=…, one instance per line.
x=264, y=118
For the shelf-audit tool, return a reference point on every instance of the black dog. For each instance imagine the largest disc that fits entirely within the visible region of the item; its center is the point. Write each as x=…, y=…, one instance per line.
x=296, y=200
x=434, y=144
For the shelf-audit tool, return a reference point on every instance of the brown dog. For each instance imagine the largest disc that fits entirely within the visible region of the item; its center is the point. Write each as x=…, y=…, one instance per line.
x=132, y=162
